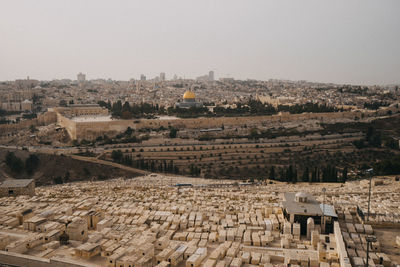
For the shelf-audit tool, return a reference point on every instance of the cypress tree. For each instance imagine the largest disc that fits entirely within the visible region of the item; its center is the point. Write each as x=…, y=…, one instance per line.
x=272, y=173
x=306, y=175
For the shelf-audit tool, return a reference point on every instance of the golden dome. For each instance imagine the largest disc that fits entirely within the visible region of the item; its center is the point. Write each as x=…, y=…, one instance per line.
x=189, y=95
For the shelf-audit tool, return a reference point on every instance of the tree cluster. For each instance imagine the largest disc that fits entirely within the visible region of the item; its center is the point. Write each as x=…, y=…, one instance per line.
x=373, y=138
x=191, y=112
x=128, y=111
x=308, y=107
x=117, y=155
x=249, y=108
x=326, y=174
x=194, y=170
x=153, y=165
x=17, y=166
x=388, y=166
x=375, y=105
x=173, y=132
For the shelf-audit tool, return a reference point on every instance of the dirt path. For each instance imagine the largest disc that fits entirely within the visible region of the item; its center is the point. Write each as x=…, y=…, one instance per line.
x=108, y=163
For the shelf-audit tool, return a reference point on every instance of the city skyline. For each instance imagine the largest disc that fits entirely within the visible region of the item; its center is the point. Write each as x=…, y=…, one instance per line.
x=333, y=42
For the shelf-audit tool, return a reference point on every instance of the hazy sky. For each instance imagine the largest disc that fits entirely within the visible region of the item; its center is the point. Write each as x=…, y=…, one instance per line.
x=340, y=41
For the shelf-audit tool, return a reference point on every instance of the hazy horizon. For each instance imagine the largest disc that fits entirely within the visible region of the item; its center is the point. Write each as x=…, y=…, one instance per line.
x=350, y=42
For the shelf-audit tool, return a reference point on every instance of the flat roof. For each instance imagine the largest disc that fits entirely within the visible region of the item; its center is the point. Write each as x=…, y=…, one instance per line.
x=83, y=105
x=329, y=210
x=311, y=207
x=16, y=183
x=91, y=118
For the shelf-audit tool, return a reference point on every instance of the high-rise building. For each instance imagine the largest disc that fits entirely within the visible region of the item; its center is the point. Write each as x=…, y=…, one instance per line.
x=211, y=75
x=142, y=77
x=162, y=76
x=81, y=77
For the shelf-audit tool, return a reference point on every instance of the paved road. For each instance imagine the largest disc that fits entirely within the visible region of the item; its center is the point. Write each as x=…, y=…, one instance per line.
x=109, y=163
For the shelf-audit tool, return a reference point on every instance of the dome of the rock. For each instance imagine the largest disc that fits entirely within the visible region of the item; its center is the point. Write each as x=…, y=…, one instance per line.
x=189, y=95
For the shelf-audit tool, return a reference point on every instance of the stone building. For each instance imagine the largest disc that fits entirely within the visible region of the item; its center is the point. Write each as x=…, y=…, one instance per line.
x=299, y=207
x=26, y=105
x=81, y=110
x=17, y=187
x=189, y=101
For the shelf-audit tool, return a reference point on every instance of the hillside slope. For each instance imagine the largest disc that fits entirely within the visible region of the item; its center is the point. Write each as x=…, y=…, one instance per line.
x=54, y=167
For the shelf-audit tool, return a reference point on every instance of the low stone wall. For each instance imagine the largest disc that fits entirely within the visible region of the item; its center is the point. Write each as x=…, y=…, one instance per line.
x=91, y=130
x=22, y=260
x=340, y=246
x=17, y=259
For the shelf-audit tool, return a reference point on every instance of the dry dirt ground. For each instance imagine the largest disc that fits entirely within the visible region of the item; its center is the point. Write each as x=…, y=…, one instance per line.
x=387, y=239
